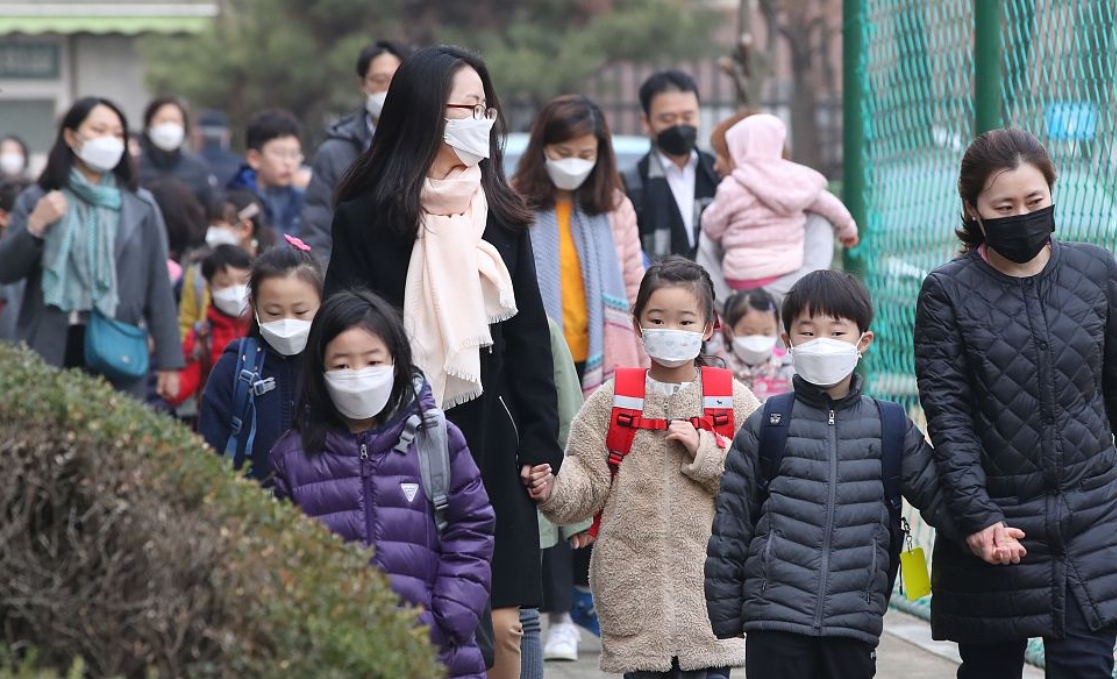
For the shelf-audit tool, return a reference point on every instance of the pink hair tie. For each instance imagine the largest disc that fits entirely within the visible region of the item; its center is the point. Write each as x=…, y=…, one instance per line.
x=297, y=242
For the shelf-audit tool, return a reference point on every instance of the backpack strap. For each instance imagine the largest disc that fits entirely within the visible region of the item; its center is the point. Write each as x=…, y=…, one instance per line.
x=717, y=403
x=432, y=446
x=629, y=387
x=246, y=387
x=774, y=426
x=893, y=431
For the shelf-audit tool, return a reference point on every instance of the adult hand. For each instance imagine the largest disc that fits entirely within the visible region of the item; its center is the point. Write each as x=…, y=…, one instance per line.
x=48, y=210
x=166, y=384
x=582, y=540
x=538, y=480
x=998, y=544
x=685, y=433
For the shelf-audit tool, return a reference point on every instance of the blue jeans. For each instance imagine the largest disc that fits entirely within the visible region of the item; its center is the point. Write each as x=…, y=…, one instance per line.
x=531, y=646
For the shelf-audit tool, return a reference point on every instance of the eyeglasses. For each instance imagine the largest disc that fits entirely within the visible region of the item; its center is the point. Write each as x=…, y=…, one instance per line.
x=281, y=156
x=480, y=111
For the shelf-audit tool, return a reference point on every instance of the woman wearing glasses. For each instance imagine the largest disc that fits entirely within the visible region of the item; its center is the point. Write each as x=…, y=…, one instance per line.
x=426, y=219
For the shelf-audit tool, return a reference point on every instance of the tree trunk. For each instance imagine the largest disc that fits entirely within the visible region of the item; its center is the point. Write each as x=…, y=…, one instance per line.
x=804, y=99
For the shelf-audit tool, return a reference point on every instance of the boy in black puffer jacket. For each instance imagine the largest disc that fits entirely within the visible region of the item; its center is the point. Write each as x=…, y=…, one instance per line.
x=802, y=542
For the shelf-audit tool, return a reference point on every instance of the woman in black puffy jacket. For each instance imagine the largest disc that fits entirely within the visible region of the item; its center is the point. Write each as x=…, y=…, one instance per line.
x=1016, y=354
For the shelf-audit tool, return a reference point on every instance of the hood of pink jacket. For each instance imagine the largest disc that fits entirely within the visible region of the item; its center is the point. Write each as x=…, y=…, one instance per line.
x=756, y=145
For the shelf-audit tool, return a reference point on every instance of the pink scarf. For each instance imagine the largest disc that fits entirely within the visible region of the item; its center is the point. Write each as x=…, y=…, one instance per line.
x=457, y=285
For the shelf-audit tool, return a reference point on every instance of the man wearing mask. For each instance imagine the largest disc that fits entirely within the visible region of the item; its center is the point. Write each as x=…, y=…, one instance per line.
x=214, y=137
x=347, y=139
x=675, y=182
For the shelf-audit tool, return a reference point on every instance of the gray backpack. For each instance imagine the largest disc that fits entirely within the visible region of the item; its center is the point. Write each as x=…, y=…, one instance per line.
x=428, y=433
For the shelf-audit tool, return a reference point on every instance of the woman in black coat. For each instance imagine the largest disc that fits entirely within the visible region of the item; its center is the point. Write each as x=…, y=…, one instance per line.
x=422, y=216
x=1016, y=354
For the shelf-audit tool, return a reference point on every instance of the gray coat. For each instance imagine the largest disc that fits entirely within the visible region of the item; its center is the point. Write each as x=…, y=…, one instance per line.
x=143, y=284
x=813, y=560
x=346, y=140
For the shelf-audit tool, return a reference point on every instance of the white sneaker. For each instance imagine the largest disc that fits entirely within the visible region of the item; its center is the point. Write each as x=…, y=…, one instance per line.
x=562, y=642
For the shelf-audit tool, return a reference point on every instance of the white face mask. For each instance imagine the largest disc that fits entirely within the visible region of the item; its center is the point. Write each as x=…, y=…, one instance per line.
x=754, y=349
x=217, y=235
x=568, y=174
x=361, y=394
x=167, y=136
x=101, y=154
x=287, y=335
x=671, y=348
x=231, y=301
x=12, y=163
x=469, y=138
x=375, y=104
x=825, y=361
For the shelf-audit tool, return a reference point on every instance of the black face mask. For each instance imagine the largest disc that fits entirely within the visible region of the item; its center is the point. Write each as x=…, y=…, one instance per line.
x=1020, y=238
x=678, y=140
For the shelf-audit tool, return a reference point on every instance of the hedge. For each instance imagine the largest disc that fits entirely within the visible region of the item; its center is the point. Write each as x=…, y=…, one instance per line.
x=128, y=545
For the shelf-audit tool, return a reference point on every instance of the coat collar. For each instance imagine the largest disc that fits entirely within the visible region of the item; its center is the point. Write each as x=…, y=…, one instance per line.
x=133, y=211
x=817, y=397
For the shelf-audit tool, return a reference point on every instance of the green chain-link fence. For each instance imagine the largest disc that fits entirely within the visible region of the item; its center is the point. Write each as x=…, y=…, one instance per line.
x=921, y=79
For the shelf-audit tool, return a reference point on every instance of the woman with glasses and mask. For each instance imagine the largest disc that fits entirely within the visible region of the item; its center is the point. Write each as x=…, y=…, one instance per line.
x=88, y=241
x=426, y=219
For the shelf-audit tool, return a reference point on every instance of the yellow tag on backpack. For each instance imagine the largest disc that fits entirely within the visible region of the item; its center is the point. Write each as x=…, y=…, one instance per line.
x=913, y=571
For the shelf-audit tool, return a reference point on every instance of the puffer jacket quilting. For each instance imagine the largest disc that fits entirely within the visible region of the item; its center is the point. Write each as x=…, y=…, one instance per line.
x=366, y=501
x=1018, y=377
x=814, y=559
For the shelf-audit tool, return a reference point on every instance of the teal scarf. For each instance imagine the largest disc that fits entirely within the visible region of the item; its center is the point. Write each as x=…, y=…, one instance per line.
x=79, y=263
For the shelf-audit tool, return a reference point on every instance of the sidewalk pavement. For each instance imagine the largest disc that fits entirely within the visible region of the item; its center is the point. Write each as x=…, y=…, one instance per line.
x=906, y=652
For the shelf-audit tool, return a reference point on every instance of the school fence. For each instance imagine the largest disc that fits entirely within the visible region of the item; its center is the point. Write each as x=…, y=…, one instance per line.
x=921, y=79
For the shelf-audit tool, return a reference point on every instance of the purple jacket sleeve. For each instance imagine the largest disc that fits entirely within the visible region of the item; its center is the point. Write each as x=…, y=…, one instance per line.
x=465, y=569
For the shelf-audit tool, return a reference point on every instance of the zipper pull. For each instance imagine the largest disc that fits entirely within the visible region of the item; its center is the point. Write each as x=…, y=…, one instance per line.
x=831, y=421
x=364, y=452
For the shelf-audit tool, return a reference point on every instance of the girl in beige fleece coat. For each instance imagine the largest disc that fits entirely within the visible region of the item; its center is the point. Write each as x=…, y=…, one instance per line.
x=647, y=567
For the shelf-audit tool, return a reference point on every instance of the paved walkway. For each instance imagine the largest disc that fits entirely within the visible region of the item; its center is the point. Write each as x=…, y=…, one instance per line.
x=906, y=652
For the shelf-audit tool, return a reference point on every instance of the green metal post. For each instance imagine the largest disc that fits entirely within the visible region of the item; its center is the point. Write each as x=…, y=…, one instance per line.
x=988, y=66
x=853, y=124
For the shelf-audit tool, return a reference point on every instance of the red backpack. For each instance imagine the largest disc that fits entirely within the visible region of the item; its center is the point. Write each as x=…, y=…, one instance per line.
x=628, y=415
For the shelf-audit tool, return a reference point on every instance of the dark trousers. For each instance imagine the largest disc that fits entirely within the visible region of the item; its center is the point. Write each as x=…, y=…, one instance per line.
x=781, y=655
x=676, y=673
x=558, y=578
x=1082, y=654
x=75, y=347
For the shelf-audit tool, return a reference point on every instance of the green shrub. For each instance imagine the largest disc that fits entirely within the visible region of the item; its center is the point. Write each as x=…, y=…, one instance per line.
x=129, y=544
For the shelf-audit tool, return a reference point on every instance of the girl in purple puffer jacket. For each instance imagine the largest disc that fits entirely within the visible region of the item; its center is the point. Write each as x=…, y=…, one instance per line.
x=339, y=464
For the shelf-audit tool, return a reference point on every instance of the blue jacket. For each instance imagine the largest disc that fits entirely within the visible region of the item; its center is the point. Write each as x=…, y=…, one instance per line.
x=283, y=205
x=274, y=410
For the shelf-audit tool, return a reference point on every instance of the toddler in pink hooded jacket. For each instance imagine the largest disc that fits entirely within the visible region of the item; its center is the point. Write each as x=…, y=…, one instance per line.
x=759, y=212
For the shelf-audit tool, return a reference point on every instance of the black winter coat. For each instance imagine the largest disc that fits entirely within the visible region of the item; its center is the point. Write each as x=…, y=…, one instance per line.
x=1018, y=377
x=519, y=400
x=813, y=560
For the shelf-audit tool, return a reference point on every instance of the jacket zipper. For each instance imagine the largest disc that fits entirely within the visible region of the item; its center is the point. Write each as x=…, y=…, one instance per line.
x=510, y=418
x=832, y=487
x=367, y=485
x=765, y=560
x=669, y=594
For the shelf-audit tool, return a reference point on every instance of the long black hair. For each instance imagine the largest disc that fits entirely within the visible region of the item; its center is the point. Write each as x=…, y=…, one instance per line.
x=409, y=137
x=316, y=413
x=61, y=158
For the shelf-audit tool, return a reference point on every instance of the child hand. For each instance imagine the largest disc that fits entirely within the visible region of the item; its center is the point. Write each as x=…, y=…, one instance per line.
x=538, y=480
x=852, y=241
x=582, y=540
x=685, y=433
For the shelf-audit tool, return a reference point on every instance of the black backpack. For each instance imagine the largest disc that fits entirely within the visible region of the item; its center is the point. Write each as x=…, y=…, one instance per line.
x=776, y=422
